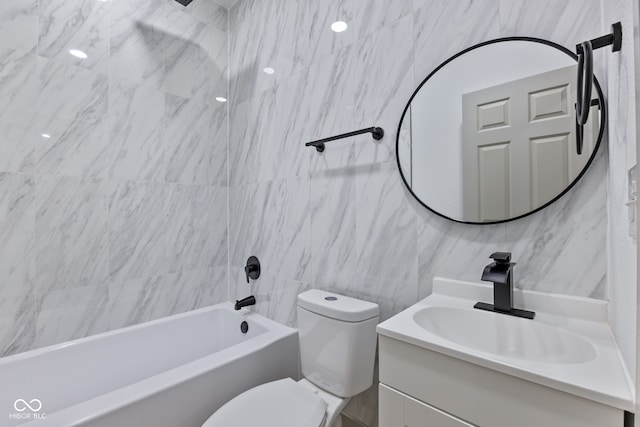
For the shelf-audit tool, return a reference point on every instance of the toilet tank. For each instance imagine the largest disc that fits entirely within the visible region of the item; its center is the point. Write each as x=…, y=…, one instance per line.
x=337, y=341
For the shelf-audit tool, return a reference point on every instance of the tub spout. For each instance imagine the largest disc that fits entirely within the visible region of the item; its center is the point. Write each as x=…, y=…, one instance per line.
x=245, y=302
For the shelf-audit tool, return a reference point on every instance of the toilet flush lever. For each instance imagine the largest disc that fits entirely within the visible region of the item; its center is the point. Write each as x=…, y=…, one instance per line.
x=252, y=269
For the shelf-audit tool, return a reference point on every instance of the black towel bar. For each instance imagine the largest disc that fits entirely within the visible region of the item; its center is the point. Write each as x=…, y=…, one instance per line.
x=377, y=133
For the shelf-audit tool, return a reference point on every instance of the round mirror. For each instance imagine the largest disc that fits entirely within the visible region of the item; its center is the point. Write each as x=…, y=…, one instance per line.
x=490, y=135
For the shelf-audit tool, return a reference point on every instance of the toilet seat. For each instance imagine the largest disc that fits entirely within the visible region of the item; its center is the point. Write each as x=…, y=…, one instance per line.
x=282, y=403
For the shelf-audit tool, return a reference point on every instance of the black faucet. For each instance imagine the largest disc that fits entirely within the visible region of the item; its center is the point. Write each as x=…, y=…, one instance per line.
x=500, y=272
x=245, y=302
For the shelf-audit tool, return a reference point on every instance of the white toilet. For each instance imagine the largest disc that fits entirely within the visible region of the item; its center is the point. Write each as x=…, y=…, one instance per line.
x=337, y=353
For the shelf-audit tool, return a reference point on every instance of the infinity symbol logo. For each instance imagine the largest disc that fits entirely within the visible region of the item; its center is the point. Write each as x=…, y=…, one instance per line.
x=21, y=405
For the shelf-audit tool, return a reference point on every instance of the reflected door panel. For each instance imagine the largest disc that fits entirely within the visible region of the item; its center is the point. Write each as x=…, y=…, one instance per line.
x=522, y=130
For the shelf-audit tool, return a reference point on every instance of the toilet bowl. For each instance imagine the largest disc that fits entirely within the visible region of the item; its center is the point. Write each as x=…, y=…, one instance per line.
x=337, y=354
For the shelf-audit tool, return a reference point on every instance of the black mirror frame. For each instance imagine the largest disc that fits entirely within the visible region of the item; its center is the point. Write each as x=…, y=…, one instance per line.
x=603, y=125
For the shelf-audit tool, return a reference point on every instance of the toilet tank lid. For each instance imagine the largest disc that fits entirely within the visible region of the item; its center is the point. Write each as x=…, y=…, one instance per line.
x=337, y=306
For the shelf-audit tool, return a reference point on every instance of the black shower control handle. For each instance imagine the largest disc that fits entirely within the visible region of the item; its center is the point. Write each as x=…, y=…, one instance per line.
x=252, y=269
x=248, y=270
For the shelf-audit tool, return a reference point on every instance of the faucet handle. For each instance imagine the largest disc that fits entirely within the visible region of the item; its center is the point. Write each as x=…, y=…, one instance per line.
x=252, y=269
x=501, y=257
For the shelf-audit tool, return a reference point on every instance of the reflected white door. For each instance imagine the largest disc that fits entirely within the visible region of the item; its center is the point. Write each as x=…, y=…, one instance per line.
x=519, y=148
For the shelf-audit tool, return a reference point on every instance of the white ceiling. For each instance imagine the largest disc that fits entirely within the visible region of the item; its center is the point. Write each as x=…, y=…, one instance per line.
x=226, y=3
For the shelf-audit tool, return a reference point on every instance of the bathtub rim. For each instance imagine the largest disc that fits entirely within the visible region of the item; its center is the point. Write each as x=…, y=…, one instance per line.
x=268, y=323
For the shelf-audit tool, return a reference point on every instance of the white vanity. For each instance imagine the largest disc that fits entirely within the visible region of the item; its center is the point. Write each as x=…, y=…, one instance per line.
x=445, y=364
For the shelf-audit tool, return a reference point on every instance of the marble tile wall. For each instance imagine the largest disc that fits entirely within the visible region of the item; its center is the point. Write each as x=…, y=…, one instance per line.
x=343, y=220
x=120, y=215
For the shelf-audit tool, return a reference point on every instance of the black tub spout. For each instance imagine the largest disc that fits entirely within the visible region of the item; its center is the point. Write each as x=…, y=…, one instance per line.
x=245, y=302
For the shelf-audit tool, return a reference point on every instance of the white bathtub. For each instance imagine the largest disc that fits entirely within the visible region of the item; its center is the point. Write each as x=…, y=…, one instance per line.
x=172, y=372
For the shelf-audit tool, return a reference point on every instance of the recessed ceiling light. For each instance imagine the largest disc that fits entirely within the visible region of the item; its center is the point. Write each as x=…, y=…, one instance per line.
x=78, y=54
x=221, y=99
x=46, y=135
x=339, y=26
x=268, y=70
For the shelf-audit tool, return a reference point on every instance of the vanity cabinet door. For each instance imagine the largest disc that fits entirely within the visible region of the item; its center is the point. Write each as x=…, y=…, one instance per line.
x=418, y=414
x=390, y=407
x=400, y=410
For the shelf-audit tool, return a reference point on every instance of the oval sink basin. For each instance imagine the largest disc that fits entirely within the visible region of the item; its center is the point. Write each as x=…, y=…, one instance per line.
x=505, y=335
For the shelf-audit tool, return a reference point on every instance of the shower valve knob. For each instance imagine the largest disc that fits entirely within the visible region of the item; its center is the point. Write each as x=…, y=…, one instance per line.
x=252, y=269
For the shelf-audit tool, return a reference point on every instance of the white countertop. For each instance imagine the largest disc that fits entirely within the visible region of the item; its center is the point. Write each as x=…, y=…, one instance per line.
x=603, y=379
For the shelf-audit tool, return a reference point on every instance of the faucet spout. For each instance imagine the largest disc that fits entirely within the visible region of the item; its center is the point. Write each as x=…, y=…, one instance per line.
x=497, y=273
x=502, y=289
x=245, y=302
x=500, y=273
